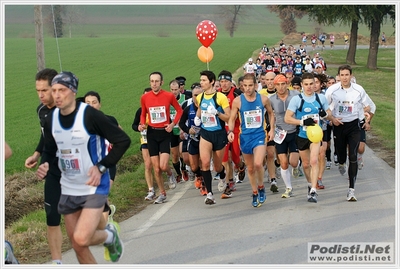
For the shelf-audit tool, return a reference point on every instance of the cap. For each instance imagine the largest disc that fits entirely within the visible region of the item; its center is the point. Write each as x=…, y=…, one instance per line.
x=181, y=80
x=318, y=65
x=67, y=79
x=296, y=81
x=279, y=79
x=250, y=59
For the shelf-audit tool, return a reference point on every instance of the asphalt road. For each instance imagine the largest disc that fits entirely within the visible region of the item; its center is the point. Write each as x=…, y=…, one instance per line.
x=186, y=232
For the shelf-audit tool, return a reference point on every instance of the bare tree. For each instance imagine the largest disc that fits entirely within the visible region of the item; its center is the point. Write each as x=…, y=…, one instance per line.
x=53, y=19
x=287, y=14
x=72, y=15
x=231, y=16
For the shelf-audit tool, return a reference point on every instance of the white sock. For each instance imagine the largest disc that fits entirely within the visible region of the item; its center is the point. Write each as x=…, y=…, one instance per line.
x=110, y=237
x=57, y=261
x=313, y=190
x=285, y=174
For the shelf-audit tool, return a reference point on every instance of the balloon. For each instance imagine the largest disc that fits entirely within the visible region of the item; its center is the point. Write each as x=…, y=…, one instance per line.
x=206, y=32
x=314, y=133
x=205, y=54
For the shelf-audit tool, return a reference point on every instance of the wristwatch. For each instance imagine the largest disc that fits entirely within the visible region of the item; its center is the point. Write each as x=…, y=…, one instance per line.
x=102, y=168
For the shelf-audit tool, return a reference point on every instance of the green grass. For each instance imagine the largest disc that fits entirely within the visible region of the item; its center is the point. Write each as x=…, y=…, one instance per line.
x=380, y=86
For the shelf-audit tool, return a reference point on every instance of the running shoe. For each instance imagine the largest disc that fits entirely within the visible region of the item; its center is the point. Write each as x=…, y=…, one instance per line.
x=360, y=163
x=335, y=160
x=328, y=165
x=172, y=180
x=203, y=191
x=350, y=195
x=211, y=165
x=261, y=195
x=221, y=185
x=295, y=172
x=274, y=186
x=288, y=193
x=160, y=199
x=9, y=257
x=342, y=169
x=320, y=185
x=236, y=178
x=227, y=193
x=278, y=172
x=232, y=185
x=256, y=202
x=116, y=248
x=242, y=172
x=111, y=213
x=185, y=175
x=150, y=196
x=198, y=183
x=300, y=172
x=312, y=197
x=192, y=176
x=178, y=179
x=210, y=199
x=217, y=177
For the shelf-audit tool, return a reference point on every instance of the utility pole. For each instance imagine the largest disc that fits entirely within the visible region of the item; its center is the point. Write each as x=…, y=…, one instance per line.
x=39, y=38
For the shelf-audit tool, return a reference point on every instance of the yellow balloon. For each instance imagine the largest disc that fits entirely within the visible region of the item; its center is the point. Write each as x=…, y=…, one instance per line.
x=314, y=133
x=205, y=54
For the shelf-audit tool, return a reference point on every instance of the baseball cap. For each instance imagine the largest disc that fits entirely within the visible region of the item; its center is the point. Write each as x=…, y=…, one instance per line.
x=250, y=59
x=279, y=79
x=181, y=80
x=318, y=65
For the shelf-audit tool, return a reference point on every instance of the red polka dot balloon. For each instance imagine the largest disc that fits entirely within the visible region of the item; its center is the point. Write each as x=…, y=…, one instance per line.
x=206, y=32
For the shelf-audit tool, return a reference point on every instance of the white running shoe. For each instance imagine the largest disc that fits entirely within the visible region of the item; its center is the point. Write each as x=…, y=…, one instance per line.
x=161, y=199
x=350, y=195
x=221, y=185
x=172, y=180
x=150, y=196
x=360, y=163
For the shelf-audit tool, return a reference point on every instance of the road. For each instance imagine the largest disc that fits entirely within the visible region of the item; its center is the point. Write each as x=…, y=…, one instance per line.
x=184, y=231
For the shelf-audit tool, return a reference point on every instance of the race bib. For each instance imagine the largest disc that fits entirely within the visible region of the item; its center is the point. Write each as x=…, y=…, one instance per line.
x=158, y=114
x=208, y=119
x=280, y=135
x=252, y=118
x=70, y=160
x=346, y=108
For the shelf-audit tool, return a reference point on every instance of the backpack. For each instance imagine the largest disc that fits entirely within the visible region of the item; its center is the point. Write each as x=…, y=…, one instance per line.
x=216, y=107
x=302, y=102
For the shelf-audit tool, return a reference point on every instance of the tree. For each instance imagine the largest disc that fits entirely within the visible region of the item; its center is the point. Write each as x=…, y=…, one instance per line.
x=374, y=16
x=53, y=19
x=72, y=15
x=330, y=15
x=287, y=14
x=231, y=16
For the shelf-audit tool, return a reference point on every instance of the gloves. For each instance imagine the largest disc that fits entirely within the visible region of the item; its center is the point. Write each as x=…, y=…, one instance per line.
x=212, y=110
x=308, y=122
x=362, y=123
x=322, y=113
x=197, y=121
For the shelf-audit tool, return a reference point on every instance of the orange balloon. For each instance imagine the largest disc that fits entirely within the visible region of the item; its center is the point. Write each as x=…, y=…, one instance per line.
x=205, y=54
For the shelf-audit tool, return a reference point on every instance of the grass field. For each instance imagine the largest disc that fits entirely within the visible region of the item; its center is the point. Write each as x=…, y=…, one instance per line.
x=116, y=61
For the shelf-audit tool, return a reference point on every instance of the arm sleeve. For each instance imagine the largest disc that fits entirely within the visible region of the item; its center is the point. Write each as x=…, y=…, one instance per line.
x=39, y=147
x=136, y=120
x=97, y=123
x=183, y=119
